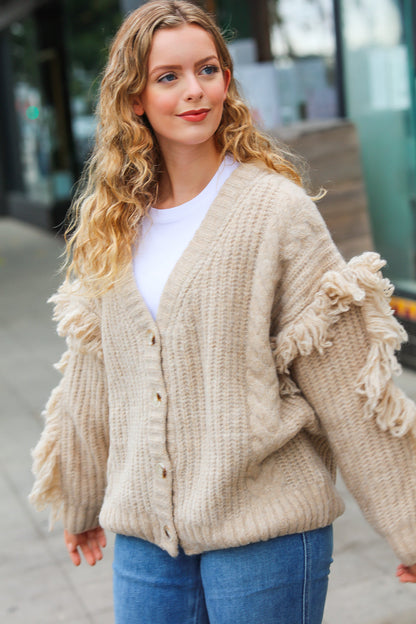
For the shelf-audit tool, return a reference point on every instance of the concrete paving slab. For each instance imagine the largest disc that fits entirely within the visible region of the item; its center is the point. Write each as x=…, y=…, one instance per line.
x=103, y=617
x=363, y=588
x=402, y=618
x=39, y=596
x=94, y=585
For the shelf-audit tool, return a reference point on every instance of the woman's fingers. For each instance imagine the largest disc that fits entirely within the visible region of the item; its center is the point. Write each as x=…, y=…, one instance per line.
x=89, y=552
x=406, y=574
x=93, y=540
x=90, y=548
x=98, y=540
x=102, y=540
x=90, y=544
x=71, y=544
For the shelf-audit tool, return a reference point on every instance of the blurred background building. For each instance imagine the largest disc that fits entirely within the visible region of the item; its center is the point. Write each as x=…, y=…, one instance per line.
x=303, y=65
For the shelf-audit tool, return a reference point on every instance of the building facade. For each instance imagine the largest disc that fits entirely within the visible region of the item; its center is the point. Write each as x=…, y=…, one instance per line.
x=297, y=61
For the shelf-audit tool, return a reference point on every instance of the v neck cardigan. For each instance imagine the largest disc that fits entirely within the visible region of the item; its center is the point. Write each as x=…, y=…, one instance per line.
x=166, y=233
x=221, y=422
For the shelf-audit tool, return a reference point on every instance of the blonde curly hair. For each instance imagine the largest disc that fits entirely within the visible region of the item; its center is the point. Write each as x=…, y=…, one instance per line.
x=120, y=181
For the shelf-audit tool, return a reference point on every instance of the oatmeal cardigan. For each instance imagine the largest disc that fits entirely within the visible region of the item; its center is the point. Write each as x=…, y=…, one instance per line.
x=222, y=422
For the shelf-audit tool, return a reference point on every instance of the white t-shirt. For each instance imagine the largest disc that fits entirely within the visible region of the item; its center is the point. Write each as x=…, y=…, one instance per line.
x=167, y=232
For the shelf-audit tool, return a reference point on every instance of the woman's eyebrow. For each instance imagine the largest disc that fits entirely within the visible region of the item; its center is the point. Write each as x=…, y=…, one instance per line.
x=211, y=57
x=159, y=68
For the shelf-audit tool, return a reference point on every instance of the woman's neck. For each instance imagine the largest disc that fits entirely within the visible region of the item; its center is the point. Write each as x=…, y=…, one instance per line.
x=187, y=173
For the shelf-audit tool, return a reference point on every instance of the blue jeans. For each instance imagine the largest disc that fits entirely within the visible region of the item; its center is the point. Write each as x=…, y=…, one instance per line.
x=281, y=581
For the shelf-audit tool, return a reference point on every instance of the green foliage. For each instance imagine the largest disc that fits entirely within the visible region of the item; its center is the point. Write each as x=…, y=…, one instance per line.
x=23, y=43
x=89, y=29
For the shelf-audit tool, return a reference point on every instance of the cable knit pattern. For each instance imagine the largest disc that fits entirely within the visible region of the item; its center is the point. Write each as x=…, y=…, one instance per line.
x=220, y=423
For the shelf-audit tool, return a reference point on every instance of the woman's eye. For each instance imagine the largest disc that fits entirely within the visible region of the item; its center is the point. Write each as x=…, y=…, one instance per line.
x=210, y=69
x=167, y=77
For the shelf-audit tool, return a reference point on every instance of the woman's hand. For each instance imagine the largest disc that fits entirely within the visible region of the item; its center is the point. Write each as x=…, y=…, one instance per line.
x=90, y=542
x=406, y=574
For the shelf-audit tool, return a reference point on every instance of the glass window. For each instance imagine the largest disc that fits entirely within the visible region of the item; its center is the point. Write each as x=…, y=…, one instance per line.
x=303, y=43
x=379, y=100
x=300, y=83
x=89, y=28
x=35, y=119
x=56, y=56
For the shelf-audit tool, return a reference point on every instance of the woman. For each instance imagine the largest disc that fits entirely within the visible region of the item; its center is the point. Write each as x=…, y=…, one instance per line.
x=222, y=356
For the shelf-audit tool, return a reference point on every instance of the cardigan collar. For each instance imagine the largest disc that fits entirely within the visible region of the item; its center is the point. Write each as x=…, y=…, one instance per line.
x=206, y=236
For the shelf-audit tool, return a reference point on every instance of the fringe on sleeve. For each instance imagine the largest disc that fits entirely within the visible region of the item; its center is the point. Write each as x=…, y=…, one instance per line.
x=361, y=284
x=46, y=465
x=77, y=319
x=79, y=322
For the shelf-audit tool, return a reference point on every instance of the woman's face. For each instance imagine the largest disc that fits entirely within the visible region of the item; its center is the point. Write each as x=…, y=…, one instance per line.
x=186, y=88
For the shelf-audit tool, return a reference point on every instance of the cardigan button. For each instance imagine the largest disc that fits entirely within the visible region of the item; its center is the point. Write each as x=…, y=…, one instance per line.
x=157, y=399
x=166, y=532
x=151, y=338
x=162, y=471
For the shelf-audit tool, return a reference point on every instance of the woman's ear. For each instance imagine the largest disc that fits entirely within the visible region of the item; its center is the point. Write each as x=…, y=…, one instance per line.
x=137, y=106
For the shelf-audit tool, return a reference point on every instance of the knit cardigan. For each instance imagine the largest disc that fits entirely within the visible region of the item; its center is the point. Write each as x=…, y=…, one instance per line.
x=221, y=422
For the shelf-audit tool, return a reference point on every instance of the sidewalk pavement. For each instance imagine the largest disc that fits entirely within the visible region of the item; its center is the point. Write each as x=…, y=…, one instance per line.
x=38, y=583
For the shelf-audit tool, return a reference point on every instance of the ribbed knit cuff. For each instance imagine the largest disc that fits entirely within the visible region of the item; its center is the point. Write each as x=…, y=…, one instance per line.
x=78, y=519
x=404, y=544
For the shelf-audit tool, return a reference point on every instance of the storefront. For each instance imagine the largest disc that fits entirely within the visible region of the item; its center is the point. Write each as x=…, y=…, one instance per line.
x=378, y=45
x=50, y=59
x=303, y=62
x=51, y=55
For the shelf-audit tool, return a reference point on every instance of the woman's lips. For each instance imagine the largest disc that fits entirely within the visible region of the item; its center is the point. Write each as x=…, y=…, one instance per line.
x=195, y=115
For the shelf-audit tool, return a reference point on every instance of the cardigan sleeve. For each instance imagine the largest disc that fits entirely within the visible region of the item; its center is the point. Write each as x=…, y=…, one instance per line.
x=338, y=343
x=69, y=461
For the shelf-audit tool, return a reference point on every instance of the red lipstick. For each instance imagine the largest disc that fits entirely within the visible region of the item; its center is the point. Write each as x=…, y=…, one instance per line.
x=195, y=115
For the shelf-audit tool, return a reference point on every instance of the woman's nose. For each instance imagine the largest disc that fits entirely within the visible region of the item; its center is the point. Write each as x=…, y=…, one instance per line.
x=193, y=89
